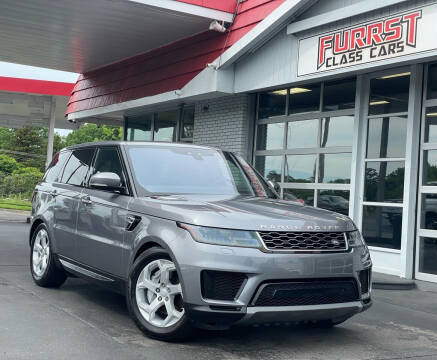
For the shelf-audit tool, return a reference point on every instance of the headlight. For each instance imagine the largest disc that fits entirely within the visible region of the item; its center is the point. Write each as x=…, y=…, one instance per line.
x=215, y=236
x=355, y=239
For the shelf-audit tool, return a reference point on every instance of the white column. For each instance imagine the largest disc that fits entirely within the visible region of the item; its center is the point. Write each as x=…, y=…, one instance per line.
x=51, y=131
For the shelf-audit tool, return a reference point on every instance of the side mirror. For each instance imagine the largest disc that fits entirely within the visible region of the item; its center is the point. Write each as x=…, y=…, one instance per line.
x=274, y=185
x=106, y=181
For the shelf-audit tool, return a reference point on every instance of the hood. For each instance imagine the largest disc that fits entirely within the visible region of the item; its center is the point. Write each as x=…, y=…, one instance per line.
x=243, y=213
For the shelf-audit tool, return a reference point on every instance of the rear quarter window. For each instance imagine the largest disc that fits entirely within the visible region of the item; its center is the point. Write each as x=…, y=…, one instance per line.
x=52, y=173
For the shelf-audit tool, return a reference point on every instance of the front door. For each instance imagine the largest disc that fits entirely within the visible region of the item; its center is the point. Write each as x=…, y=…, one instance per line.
x=102, y=219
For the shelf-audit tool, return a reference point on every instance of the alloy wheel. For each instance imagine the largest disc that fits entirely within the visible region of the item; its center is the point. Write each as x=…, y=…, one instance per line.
x=40, y=253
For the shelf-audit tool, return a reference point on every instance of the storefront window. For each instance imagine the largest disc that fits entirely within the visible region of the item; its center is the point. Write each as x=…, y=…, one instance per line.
x=270, y=136
x=339, y=95
x=432, y=81
x=165, y=126
x=139, y=128
x=428, y=255
x=337, y=131
x=304, y=98
x=335, y=168
x=302, y=134
x=301, y=168
x=386, y=137
x=270, y=167
x=300, y=195
x=382, y=226
x=389, y=94
x=430, y=167
x=384, y=181
x=187, y=124
x=429, y=212
x=272, y=103
x=431, y=124
x=334, y=200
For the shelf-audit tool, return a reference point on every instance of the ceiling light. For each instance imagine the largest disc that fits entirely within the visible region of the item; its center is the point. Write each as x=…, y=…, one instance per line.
x=432, y=114
x=379, y=102
x=298, y=90
x=396, y=75
x=279, y=92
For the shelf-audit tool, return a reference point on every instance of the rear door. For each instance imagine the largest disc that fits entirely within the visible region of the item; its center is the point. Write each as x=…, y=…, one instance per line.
x=102, y=217
x=67, y=193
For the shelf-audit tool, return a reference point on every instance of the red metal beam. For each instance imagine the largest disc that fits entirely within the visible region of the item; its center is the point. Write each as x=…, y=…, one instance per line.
x=30, y=86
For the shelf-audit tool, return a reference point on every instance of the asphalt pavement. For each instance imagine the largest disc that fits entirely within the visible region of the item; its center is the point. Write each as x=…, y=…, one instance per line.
x=82, y=321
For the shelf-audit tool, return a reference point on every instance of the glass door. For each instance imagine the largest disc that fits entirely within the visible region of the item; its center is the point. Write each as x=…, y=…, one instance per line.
x=426, y=241
x=384, y=168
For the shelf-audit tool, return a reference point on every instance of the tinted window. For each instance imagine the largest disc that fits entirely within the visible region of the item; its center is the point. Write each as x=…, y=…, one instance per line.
x=334, y=200
x=188, y=123
x=302, y=134
x=386, y=137
x=165, y=126
x=432, y=81
x=389, y=94
x=335, y=168
x=77, y=167
x=430, y=167
x=272, y=103
x=270, y=167
x=337, y=131
x=301, y=168
x=304, y=98
x=55, y=166
x=139, y=128
x=338, y=95
x=429, y=211
x=300, y=195
x=108, y=160
x=384, y=181
x=431, y=124
x=270, y=136
x=428, y=255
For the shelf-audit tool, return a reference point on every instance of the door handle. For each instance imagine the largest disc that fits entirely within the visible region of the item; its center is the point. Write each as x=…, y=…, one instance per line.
x=86, y=200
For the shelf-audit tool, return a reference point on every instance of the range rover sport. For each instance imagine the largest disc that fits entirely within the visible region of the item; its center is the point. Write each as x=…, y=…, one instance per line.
x=194, y=237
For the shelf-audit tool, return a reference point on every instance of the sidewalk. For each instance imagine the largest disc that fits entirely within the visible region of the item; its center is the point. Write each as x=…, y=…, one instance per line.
x=14, y=215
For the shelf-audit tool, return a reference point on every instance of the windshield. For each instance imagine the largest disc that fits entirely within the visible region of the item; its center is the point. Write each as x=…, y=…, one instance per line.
x=189, y=170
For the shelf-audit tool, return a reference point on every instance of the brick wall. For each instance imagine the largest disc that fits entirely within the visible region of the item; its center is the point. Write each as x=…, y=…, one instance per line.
x=225, y=123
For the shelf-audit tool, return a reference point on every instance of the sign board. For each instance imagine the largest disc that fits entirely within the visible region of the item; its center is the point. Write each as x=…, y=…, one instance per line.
x=397, y=35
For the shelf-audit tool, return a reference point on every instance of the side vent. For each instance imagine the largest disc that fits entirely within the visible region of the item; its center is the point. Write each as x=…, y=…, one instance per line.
x=132, y=221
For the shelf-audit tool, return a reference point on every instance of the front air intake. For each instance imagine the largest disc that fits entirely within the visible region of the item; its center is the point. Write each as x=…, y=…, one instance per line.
x=221, y=285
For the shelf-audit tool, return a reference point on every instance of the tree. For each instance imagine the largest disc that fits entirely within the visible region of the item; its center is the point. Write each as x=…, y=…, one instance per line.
x=8, y=164
x=92, y=132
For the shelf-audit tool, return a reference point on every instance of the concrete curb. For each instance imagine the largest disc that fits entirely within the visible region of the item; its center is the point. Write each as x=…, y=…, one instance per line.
x=390, y=282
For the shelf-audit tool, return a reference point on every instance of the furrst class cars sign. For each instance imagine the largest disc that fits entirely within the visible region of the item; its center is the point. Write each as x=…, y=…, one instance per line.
x=389, y=37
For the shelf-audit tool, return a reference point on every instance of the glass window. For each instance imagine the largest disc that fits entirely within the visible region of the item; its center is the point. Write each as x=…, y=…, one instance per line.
x=337, y=131
x=272, y=103
x=338, y=95
x=139, y=128
x=304, y=98
x=77, y=167
x=301, y=168
x=386, y=137
x=384, y=181
x=335, y=168
x=389, y=94
x=302, y=134
x=430, y=167
x=334, y=200
x=428, y=255
x=56, y=166
x=431, y=124
x=270, y=136
x=429, y=212
x=108, y=160
x=303, y=196
x=432, y=81
x=382, y=226
x=188, y=123
x=270, y=167
x=165, y=126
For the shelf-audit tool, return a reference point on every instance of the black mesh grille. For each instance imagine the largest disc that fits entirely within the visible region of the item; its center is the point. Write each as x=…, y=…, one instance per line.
x=364, y=280
x=221, y=285
x=307, y=292
x=304, y=241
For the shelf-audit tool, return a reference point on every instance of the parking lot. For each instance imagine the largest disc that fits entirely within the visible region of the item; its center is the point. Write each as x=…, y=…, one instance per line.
x=80, y=320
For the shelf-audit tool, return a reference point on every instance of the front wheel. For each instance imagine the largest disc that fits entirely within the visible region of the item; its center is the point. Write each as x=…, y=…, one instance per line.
x=155, y=299
x=43, y=266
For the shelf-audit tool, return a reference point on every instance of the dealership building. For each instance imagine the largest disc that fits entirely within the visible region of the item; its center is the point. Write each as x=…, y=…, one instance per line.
x=334, y=100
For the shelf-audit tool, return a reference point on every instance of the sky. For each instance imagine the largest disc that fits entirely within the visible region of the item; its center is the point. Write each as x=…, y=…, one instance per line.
x=36, y=73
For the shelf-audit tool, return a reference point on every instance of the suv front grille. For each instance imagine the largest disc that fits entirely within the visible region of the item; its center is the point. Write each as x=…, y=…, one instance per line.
x=307, y=292
x=304, y=241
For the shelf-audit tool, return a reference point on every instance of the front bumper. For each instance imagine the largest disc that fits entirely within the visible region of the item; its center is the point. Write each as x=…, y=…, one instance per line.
x=259, y=267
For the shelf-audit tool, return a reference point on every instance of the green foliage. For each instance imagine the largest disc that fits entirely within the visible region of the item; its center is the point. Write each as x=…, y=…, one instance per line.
x=21, y=181
x=15, y=203
x=92, y=132
x=8, y=164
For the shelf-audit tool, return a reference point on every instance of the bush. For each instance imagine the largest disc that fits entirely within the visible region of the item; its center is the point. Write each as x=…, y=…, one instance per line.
x=8, y=164
x=20, y=182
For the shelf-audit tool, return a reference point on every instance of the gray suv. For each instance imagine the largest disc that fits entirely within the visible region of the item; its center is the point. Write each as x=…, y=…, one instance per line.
x=194, y=237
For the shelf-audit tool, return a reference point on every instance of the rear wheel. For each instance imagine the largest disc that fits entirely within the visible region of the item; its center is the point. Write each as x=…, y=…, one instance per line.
x=43, y=266
x=155, y=297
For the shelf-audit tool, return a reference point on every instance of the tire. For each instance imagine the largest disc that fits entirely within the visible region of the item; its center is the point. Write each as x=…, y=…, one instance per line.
x=148, y=305
x=49, y=274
